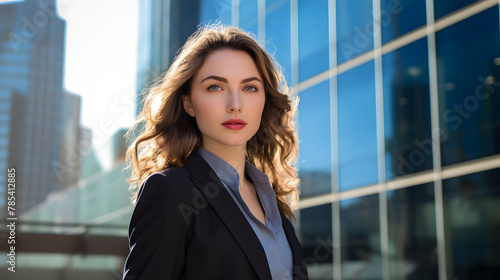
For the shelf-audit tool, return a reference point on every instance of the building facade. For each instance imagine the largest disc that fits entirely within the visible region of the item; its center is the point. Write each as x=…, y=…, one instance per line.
x=69, y=163
x=164, y=26
x=31, y=83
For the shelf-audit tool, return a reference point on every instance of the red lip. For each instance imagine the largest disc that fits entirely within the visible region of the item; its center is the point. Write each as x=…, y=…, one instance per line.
x=234, y=124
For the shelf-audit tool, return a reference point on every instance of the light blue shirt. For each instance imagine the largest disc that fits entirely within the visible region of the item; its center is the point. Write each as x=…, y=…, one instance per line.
x=271, y=235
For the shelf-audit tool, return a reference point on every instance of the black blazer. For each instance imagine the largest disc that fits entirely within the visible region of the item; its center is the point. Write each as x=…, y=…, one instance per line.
x=186, y=225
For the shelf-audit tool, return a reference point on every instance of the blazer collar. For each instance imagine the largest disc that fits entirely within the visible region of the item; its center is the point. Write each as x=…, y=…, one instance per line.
x=216, y=194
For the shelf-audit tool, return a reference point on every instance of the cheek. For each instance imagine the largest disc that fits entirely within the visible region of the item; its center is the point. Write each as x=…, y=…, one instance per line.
x=259, y=108
x=204, y=115
x=203, y=107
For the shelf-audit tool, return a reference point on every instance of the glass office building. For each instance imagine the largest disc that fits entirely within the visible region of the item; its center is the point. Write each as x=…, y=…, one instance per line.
x=399, y=128
x=164, y=26
x=31, y=91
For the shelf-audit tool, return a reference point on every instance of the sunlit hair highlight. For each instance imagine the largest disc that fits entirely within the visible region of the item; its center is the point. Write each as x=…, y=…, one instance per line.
x=169, y=135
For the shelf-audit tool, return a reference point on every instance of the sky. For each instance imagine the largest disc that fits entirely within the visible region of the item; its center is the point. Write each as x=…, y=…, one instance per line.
x=101, y=60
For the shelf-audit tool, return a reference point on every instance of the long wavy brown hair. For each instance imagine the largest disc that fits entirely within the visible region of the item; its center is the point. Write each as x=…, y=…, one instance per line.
x=169, y=135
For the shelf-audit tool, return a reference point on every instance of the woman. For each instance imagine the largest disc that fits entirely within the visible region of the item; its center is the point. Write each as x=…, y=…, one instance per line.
x=214, y=166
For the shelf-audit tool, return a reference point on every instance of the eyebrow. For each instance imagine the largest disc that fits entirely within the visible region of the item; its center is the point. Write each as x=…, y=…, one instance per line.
x=224, y=80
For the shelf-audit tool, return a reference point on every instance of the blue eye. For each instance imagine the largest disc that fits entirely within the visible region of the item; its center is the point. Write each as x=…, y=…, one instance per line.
x=250, y=88
x=214, y=88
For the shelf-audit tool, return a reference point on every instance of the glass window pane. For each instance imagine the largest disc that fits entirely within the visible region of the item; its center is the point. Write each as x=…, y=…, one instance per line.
x=468, y=75
x=314, y=138
x=472, y=226
x=398, y=17
x=412, y=233
x=313, y=38
x=354, y=29
x=212, y=10
x=360, y=238
x=315, y=234
x=407, y=123
x=444, y=7
x=249, y=16
x=357, y=127
x=278, y=40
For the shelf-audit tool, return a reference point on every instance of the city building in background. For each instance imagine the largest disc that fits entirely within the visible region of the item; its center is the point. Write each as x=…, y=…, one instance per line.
x=398, y=123
x=120, y=146
x=164, y=26
x=90, y=163
x=31, y=81
x=41, y=137
x=5, y=116
x=69, y=163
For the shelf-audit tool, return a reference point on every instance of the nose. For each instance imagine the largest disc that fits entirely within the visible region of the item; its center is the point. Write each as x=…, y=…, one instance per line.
x=234, y=104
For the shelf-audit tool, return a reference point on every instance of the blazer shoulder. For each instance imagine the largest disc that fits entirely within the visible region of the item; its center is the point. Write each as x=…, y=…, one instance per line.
x=171, y=175
x=158, y=227
x=169, y=181
x=166, y=191
x=176, y=173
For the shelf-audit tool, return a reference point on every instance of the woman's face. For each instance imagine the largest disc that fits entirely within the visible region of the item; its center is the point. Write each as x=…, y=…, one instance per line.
x=227, y=99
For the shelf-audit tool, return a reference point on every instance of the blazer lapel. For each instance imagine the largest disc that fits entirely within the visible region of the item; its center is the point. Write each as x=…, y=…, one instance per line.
x=216, y=194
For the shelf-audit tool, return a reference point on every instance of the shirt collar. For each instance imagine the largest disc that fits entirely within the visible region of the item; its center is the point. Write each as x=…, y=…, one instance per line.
x=229, y=176
x=222, y=169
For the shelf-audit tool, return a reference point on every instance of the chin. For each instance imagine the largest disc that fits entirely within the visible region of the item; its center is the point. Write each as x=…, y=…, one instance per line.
x=235, y=142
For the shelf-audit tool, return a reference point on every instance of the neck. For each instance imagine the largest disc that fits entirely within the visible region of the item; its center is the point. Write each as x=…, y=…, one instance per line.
x=233, y=155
